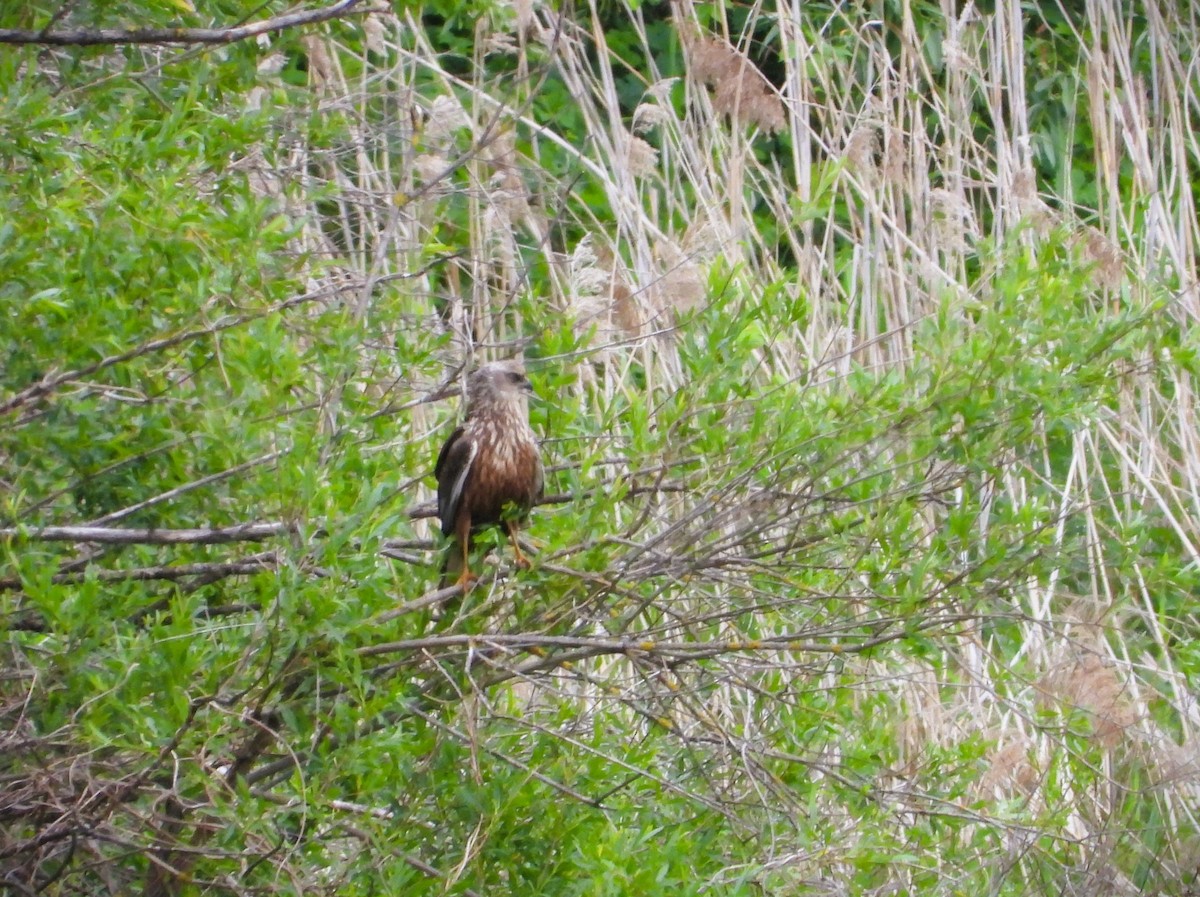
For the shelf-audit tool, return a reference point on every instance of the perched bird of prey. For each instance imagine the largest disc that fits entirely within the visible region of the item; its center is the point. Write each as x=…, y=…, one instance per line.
x=489, y=463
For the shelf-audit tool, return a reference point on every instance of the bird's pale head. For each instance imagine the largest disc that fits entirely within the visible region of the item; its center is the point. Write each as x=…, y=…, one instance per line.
x=499, y=387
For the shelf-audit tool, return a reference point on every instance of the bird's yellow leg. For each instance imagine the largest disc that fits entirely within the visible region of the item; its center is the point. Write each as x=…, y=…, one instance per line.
x=462, y=532
x=522, y=561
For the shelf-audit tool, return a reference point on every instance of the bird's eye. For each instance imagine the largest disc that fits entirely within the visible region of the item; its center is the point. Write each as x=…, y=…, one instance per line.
x=514, y=377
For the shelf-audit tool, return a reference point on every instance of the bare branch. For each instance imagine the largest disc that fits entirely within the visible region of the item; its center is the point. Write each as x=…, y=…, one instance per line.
x=103, y=36
x=582, y=646
x=243, y=532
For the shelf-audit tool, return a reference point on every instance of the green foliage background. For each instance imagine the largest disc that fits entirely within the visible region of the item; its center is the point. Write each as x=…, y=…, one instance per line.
x=870, y=543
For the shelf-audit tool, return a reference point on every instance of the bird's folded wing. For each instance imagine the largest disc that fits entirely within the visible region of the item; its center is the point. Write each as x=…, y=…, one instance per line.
x=452, y=470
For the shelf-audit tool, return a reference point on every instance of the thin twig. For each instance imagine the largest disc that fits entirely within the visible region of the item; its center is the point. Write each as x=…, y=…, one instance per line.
x=187, y=487
x=53, y=381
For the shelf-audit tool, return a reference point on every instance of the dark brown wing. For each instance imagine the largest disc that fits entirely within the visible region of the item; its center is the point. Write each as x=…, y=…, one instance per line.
x=453, y=469
x=441, y=458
